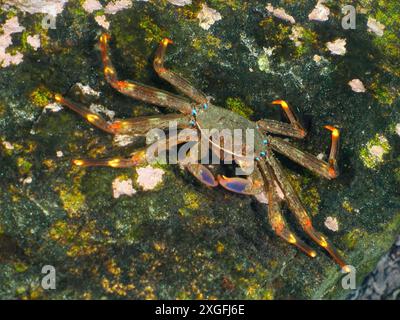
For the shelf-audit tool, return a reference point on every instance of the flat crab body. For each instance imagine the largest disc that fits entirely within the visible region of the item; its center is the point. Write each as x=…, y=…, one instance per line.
x=194, y=111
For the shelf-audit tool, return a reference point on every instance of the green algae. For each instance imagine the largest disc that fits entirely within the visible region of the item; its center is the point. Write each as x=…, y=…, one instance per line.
x=238, y=106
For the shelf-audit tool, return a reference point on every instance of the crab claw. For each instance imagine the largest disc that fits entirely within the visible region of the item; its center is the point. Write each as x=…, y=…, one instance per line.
x=240, y=185
x=202, y=174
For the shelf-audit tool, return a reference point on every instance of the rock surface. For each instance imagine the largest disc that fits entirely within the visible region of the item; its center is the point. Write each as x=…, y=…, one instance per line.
x=181, y=239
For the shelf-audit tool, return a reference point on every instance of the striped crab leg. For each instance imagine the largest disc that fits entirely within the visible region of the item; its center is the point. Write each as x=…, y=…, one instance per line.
x=134, y=126
x=300, y=213
x=327, y=170
x=293, y=129
x=275, y=216
x=137, y=90
x=173, y=78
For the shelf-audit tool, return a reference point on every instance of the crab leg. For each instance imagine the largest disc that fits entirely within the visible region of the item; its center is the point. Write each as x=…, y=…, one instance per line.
x=137, y=90
x=253, y=185
x=173, y=78
x=134, y=126
x=293, y=129
x=199, y=171
x=328, y=170
x=275, y=216
x=140, y=157
x=137, y=158
x=299, y=211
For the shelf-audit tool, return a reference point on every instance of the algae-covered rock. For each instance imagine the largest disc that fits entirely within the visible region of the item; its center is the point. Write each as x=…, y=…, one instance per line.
x=176, y=238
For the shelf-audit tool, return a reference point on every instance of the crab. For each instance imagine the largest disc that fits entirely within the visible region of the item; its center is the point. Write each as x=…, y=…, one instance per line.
x=195, y=111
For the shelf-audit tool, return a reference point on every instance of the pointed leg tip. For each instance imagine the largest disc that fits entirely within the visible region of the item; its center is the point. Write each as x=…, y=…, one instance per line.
x=105, y=37
x=282, y=103
x=166, y=41
x=78, y=162
x=58, y=97
x=335, y=131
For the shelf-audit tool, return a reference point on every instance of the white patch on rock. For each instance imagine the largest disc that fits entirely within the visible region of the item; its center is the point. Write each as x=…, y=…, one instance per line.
x=98, y=108
x=87, y=90
x=377, y=151
x=398, y=129
x=332, y=224
x=337, y=47
x=208, y=16
x=8, y=145
x=122, y=188
x=50, y=7
x=149, y=177
x=27, y=180
x=375, y=27
x=102, y=22
x=356, y=85
x=123, y=140
x=263, y=59
x=320, y=12
x=10, y=27
x=295, y=36
x=34, y=41
x=53, y=107
x=117, y=5
x=280, y=13
x=92, y=5
x=180, y=3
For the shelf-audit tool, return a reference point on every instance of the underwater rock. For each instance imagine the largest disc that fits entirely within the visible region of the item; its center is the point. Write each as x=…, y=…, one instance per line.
x=208, y=17
x=375, y=27
x=280, y=13
x=384, y=282
x=320, y=12
x=149, y=177
x=337, y=47
x=122, y=187
x=357, y=85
